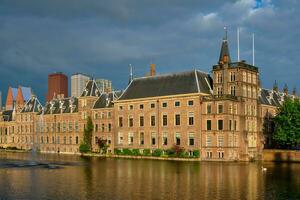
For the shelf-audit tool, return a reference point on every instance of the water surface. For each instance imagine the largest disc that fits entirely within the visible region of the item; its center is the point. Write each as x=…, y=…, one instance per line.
x=51, y=176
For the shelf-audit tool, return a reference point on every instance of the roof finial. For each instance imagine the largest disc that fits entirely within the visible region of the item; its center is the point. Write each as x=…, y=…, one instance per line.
x=131, y=73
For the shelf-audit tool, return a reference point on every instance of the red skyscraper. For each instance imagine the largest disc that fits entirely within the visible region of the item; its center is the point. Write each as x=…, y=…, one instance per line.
x=57, y=85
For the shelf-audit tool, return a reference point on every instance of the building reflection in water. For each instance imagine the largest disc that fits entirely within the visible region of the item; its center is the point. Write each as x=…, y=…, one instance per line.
x=97, y=178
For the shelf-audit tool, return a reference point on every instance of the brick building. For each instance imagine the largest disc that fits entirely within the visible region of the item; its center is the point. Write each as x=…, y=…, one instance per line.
x=226, y=115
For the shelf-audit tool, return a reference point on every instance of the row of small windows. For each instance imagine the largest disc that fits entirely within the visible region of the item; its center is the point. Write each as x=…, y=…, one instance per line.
x=58, y=127
x=220, y=140
x=247, y=77
x=177, y=120
x=103, y=127
x=102, y=115
x=164, y=105
x=233, y=109
x=232, y=125
x=153, y=139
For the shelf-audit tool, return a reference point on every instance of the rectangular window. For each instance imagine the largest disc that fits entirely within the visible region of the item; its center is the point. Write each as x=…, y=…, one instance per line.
x=230, y=125
x=130, y=107
x=190, y=103
x=120, y=121
x=208, y=125
x=208, y=108
x=220, y=140
x=191, y=139
x=130, y=121
x=177, y=119
x=141, y=121
x=152, y=105
x=221, y=154
x=208, y=140
x=109, y=127
x=191, y=118
x=220, y=124
x=164, y=104
x=141, y=106
x=153, y=138
x=209, y=154
x=102, y=127
x=177, y=103
x=120, y=138
x=142, y=138
x=76, y=127
x=130, y=138
x=165, y=139
x=177, y=139
x=220, y=108
x=152, y=120
x=64, y=127
x=96, y=127
x=165, y=120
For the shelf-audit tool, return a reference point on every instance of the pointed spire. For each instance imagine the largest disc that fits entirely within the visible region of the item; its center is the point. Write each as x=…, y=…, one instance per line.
x=275, y=86
x=224, y=54
x=286, y=89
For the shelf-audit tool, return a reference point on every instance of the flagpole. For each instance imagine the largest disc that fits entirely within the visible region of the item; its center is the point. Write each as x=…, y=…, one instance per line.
x=238, y=43
x=253, y=51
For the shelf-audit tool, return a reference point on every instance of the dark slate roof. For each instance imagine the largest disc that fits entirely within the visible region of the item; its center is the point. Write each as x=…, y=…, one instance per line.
x=273, y=98
x=58, y=106
x=91, y=89
x=106, y=99
x=224, y=51
x=172, y=84
x=7, y=115
x=32, y=105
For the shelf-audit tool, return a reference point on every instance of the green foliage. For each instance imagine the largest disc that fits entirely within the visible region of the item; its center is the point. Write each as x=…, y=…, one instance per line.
x=127, y=152
x=196, y=153
x=87, y=138
x=117, y=151
x=103, y=146
x=157, y=152
x=84, y=148
x=146, y=152
x=136, y=152
x=287, y=124
x=86, y=145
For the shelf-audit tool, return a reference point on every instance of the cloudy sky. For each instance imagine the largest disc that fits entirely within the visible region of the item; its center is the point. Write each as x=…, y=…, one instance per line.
x=102, y=38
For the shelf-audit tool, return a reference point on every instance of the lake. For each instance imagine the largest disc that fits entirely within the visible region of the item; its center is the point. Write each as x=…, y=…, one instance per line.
x=52, y=176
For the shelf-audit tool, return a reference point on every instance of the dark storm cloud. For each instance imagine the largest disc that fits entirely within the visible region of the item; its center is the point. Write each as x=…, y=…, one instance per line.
x=102, y=37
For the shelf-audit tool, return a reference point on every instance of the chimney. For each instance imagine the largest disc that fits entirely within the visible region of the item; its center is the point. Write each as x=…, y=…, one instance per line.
x=152, y=69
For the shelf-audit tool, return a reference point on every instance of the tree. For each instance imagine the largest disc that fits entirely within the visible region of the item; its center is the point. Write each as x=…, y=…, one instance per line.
x=103, y=146
x=86, y=144
x=287, y=124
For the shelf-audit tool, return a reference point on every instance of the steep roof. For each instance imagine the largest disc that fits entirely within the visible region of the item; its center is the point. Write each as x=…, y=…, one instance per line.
x=171, y=84
x=7, y=115
x=14, y=93
x=106, y=99
x=91, y=89
x=32, y=105
x=224, y=51
x=272, y=97
x=58, y=106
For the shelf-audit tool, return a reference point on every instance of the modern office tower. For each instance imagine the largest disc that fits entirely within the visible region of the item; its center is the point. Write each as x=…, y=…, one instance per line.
x=57, y=86
x=78, y=82
x=104, y=85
